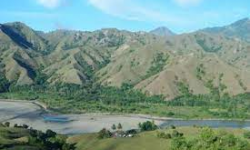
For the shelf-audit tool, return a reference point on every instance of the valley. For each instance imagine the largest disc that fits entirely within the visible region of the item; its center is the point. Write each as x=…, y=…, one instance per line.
x=124, y=75
x=86, y=81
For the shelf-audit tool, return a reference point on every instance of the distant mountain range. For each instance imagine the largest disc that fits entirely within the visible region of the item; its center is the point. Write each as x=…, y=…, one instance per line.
x=158, y=62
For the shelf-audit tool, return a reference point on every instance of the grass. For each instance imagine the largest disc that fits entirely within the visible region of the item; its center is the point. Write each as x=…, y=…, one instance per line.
x=11, y=137
x=142, y=141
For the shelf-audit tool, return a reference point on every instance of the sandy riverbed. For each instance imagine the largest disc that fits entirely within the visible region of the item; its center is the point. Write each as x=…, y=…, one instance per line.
x=29, y=113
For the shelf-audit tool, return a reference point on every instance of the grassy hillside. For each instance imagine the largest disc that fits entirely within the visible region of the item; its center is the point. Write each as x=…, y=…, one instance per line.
x=150, y=140
x=23, y=138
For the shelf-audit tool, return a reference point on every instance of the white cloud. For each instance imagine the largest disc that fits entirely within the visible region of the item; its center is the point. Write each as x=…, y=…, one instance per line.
x=50, y=3
x=186, y=3
x=130, y=10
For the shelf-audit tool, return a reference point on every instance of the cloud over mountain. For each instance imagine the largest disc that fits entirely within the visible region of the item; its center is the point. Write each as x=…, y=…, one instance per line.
x=50, y=3
x=186, y=3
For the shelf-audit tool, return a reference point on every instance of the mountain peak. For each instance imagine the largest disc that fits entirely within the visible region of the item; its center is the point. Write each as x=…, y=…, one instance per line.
x=241, y=22
x=162, y=31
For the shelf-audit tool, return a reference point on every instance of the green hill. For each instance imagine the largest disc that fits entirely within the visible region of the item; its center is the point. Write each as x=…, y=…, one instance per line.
x=151, y=140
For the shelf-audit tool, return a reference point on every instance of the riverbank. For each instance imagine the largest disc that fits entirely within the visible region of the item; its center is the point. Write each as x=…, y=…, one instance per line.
x=36, y=116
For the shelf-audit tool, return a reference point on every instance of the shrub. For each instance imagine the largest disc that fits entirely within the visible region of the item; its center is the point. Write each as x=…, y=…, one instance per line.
x=247, y=135
x=177, y=134
x=170, y=114
x=164, y=135
x=172, y=127
x=179, y=143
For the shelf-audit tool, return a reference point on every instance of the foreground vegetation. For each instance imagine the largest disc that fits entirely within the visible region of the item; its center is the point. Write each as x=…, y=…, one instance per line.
x=25, y=138
x=183, y=138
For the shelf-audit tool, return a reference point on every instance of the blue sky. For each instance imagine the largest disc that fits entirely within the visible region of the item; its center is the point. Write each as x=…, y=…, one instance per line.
x=178, y=15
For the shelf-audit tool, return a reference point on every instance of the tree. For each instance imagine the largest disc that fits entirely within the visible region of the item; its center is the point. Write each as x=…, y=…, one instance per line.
x=126, y=86
x=25, y=126
x=119, y=127
x=50, y=133
x=113, y=127
x=7, y=124
x=104, y=133
x=147, y=126
x=4, y=84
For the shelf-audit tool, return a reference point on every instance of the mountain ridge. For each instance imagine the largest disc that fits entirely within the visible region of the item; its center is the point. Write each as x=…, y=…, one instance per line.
x=151, y=63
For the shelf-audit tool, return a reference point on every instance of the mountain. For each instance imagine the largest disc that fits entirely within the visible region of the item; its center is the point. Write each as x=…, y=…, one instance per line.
x=162, y=31
x=155, y=64
x=239, y=29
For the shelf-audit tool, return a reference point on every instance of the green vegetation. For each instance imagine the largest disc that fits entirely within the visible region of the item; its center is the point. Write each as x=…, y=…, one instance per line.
x=183, y=138
x=119, y=127
x=113, y=127
x=147, y=126
x=200, y=71
x=216, y=107
x=241, y=83
x=164, y=135
x=104, y=133
x=23, y=138
x=4, y=84
x=69, y=98
x=157, y=64
x=183, y=88
x=208, y=47
x=210, y=140
x=247, y=135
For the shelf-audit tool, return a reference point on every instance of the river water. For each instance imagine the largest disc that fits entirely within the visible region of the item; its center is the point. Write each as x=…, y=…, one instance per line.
x=210, y=123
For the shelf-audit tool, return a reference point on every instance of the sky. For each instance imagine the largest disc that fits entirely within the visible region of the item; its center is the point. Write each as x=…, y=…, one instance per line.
x=179, y=16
